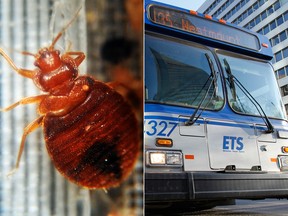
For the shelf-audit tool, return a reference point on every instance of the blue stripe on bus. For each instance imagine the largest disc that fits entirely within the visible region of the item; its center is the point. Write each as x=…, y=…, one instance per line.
x=210, y=122
x=185, y=110
x=225, y=115
x=163, y=118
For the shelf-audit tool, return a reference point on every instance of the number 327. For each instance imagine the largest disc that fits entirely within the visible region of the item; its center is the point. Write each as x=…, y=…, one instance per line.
x=162, y=128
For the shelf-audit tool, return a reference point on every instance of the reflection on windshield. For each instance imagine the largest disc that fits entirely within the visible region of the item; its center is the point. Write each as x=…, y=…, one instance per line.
x=258, y=78
x=180, y=74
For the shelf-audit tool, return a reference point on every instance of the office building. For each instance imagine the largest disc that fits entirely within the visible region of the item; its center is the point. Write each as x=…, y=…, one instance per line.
x=267, y=17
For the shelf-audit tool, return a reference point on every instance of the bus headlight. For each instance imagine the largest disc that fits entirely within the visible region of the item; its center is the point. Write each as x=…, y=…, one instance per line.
x=157, y=158
x=283, y=162
x=164, y=158
x=174, y=158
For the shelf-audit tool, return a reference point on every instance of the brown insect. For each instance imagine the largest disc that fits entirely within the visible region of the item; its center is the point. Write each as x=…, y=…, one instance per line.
x=90, y=131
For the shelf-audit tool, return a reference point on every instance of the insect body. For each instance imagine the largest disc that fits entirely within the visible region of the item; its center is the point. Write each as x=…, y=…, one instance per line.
x=90, y=131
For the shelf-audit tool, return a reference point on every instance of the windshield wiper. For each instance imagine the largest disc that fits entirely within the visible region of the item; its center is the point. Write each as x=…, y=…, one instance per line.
x=232, y=80
x=193, y=118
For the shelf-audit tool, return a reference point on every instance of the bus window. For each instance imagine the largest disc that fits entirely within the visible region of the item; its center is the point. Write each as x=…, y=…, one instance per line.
x=262, y=87
x=181, y=77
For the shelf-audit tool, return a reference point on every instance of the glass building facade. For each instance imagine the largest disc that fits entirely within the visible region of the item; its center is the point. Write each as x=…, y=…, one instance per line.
x=267, y=17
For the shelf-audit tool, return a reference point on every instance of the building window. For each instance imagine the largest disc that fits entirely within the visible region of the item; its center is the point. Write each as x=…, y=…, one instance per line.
x=255, y=6
x=281, y=54
x=250, y=11
x=284, y=91
x=277, y=5
x=285, y=52
x=286, y=16
x=263, y=15
x=244, y=15
x=272, y=25
x=278, y=38
x=270, y=10
x=262, y=2
x=275, y=40
x=266, y=29
x=283, y=36
x=278, y=56
x=279, y=20
x=286, y=108
x=257, y=19
x=281, y=74
x=238, y=7
x=251, y=24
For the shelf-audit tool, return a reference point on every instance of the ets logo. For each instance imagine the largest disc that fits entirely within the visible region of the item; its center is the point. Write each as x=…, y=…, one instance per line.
x=233, y=144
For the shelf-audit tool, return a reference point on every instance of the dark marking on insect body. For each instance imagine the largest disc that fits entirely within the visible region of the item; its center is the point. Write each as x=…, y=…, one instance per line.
x=103, y=159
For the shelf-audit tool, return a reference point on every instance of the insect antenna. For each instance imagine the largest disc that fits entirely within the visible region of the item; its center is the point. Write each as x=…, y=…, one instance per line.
x=8, y=59
x=28, y=53
x=23, y=72
x=64, y=29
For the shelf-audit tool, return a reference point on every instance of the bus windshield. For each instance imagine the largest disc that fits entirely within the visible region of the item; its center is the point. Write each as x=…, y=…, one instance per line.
x=188, y=76
x=258, y=79
x=184, y=77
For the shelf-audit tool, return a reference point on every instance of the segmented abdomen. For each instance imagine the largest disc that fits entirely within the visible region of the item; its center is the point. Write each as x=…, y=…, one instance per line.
x=97, y=143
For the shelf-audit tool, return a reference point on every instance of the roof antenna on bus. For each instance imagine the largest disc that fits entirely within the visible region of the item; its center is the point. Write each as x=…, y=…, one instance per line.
x=232, y=79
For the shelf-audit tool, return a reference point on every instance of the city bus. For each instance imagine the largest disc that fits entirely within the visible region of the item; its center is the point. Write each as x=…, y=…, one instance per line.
x=215, y=126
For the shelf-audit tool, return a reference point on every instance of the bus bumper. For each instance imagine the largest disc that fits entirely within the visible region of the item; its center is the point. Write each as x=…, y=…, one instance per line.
x=213, y=185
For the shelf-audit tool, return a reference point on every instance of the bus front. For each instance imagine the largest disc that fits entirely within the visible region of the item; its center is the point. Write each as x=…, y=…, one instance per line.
x=214, y=124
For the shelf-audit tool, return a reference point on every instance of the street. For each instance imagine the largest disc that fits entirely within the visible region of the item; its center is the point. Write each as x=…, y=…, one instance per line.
x=242, y=207
x=248, y=207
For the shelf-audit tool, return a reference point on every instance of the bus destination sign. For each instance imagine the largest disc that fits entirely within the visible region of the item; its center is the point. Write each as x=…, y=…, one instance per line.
x=204, y=27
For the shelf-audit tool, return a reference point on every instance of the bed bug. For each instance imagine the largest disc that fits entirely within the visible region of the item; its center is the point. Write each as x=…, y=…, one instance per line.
x=90, y=131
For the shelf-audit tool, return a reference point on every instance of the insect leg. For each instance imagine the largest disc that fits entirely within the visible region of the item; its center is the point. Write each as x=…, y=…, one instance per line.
x=28, y=129
x=23, y=101
x=80, y=57
x=113, y=84
x=23, y=72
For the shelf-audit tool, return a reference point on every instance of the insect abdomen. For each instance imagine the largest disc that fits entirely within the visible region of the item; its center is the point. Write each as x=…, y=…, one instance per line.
x=96, y=144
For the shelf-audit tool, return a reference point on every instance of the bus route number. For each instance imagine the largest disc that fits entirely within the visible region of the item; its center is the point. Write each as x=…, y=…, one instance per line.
x=159, y=128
